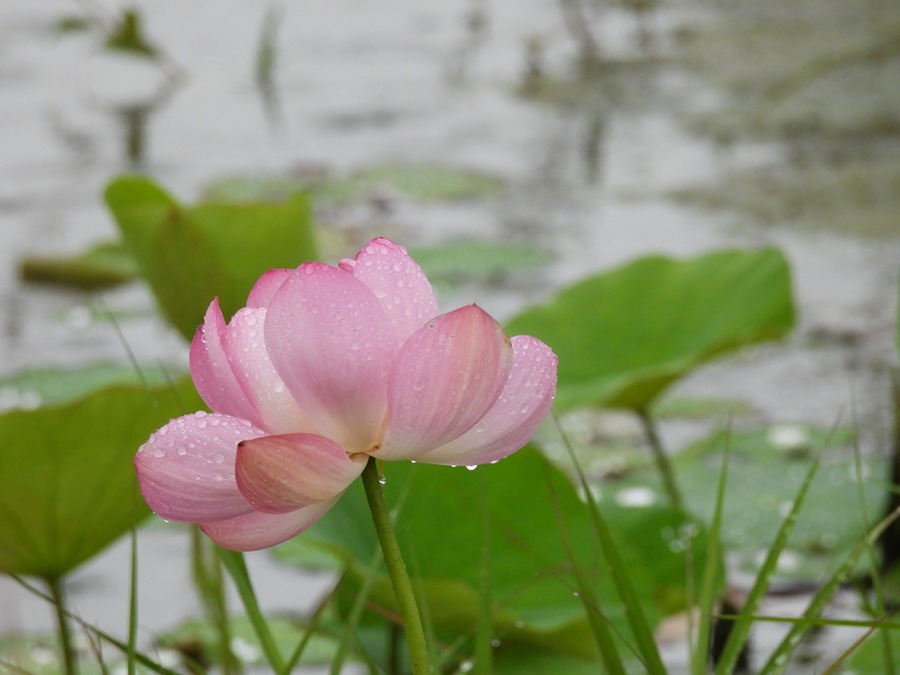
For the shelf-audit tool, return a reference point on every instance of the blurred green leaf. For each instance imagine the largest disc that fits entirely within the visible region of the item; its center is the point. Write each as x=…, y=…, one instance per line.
x=189, y=255
x=419, y=182
x=127, y=35
x=53, y=386
x=431, y=182
x=67, y=483
x=476, y=260
x=623, y=336
x=101, y=266
x=72, y=24
x=869, y=657
x=531, y=583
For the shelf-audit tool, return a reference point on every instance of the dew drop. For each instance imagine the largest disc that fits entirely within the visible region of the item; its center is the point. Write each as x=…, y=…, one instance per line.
x=471, y=467
x=182, y=451
x=382, y=479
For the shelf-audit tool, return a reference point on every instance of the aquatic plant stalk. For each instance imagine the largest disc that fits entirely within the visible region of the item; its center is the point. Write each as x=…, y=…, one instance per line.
x=70, y=661
x=393, y=559
x=662, y=460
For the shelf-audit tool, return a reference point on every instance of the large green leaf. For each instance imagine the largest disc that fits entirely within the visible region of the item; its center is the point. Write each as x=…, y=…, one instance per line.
x=67, y=484
x=623, y=336
x=532, y=587
x=189, y=255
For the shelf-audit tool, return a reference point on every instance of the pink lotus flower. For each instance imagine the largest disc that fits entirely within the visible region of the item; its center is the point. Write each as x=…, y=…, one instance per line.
x=324, y=368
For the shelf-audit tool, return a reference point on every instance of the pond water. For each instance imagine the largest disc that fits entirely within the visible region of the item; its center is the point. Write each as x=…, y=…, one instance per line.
x=588, y=172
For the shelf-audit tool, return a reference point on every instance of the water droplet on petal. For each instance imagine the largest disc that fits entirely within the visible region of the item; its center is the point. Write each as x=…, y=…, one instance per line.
x=472, y=467
x=382, y=479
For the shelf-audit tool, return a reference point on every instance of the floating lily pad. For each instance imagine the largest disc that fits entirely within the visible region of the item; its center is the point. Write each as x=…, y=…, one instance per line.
x=440, y=528
x=67, y=483
x=478, y=261
x=189, y=255
x=102, y=266
x=419, y=182
x=765, y=473
x=431, y=182
x=53, y=386
x=623, y=336
x=198, y=640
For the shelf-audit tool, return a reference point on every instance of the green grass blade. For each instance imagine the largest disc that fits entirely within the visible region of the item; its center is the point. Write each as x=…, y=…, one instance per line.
x=779, y=658
x=132, y=606
x=744, y=622
x=237, y=570
x=879, y=608
x=141, y=658
x=640, y=627
x=356, y=611
x=603, y=636
x=711, y=574
x=311, y=629
x=484, y=626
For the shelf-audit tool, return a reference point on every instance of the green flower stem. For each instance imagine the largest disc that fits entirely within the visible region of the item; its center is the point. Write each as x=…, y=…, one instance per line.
x=409, y=611
x=64, y=633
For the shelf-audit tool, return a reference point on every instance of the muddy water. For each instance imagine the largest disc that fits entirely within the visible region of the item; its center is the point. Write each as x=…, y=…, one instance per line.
x=587, y=176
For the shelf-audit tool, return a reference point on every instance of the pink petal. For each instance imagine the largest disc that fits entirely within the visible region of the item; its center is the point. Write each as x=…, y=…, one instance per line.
x=284, y=473
x=266, y=286
x=255, y=530
x=186, y=469
x=443, y=380
x=510, y=423
x=211, y=372
x=399, y=284
x=330, y=341
x=276, y=410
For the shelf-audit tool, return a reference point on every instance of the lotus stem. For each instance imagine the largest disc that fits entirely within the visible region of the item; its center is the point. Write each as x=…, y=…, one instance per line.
x=393, y=559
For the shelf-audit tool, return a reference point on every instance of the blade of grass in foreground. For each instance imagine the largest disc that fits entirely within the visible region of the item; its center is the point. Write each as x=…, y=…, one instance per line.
x=237, y=570
x=356, y=611
x=643, y=634
x=779, y=658
x=602, y=634
x=311, y=629
x=484, y=624
x=132, y=607
x=880, y=606
x=744, y=622
x=711, y=572
x=143, y=659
